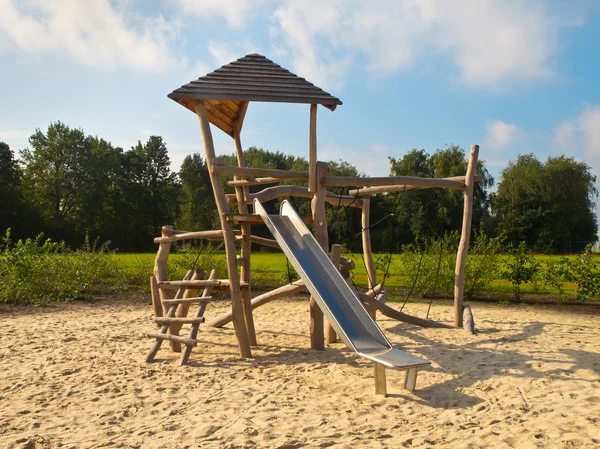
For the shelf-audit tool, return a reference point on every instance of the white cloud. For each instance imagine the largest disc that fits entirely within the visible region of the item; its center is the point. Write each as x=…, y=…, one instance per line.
x=236, y=12
x=92, y=33
x=490, y=43
x=581, y=132
x=372, y=161
x=500, y=135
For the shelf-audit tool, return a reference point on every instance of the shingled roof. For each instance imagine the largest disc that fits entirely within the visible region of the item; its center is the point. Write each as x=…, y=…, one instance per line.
x=251, y=78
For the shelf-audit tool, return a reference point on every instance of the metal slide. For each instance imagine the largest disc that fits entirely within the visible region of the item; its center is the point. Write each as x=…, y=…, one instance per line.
x=339, y=304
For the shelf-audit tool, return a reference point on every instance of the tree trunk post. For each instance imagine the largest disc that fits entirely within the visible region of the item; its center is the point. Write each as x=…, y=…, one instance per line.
x=237, y=304
x=320, y=226
x=463, y=247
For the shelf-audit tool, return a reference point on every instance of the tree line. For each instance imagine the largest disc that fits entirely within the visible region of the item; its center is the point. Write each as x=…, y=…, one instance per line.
x=70, y=185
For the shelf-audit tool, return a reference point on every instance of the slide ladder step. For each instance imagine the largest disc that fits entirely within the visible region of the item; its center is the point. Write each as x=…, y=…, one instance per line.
x=197, y=300
x=182, y=340
x=190, y=320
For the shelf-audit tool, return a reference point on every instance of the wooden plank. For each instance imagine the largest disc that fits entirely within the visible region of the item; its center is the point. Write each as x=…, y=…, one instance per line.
x=246, y=171
x=218, y=118
x=393, y=180
x=465, y=234
x=336, y=253
x=224, y=109
x=229, y=237
x=320, y=226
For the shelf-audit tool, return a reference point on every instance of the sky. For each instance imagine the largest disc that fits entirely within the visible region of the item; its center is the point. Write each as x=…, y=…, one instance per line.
x=513, y=76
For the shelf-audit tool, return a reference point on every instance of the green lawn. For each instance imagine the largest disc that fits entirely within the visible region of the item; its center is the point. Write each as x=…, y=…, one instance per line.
x=270, y=269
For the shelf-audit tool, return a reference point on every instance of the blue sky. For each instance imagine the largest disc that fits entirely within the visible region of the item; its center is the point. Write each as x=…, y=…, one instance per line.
x=512, y=76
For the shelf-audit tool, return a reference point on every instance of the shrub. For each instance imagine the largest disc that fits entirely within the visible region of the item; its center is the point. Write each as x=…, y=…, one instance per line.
x=483, y=263
x=192, y=257
x=521, y=268
x=586, y=273
x=38, y=271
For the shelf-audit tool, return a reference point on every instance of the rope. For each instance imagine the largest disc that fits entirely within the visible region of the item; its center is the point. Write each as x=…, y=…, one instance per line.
x=437, y=276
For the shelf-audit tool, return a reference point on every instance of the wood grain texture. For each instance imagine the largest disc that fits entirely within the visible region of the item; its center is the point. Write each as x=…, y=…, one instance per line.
x=229, y=238
x=465, y=234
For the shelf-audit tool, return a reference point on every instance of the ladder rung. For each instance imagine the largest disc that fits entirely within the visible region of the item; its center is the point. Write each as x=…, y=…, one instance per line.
x=189, y=320
x=218, y=284
x=176, y=285
x=183, y=340
x=199, y=300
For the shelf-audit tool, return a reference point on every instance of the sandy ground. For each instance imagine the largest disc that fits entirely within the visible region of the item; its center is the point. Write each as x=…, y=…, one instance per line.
x=73, y=376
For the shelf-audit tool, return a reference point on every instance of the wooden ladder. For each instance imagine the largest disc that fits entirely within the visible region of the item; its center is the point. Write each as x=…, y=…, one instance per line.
x=176, y=316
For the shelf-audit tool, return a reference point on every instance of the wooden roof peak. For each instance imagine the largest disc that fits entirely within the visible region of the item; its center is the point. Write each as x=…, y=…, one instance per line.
x=250, y=78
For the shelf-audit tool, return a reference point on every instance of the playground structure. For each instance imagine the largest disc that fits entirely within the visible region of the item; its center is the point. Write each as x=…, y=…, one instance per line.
x=221, y=98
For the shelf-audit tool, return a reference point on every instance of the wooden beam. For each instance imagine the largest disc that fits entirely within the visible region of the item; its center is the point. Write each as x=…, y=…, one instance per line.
x=367, y=191
x=200, y=235
x=237, y=304
x=242, y=194
x=392, y=180
x=312, y=150
x=252, y=182
x=245, y=171
x=336, y=253
x=320, y=227
x=281, y=292
x=271, y=193
x=465, y=235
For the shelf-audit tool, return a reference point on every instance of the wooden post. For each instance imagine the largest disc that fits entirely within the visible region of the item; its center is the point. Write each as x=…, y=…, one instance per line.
x=320, y=225
x=312, y=150
x=242, y=193
x=156, y=302
x=237, y=304
x=336, y=253
x=463, y=247
x=365, y=222
x=160, y=265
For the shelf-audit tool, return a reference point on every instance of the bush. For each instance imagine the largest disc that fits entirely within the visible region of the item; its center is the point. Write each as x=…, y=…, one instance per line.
x=203, y=256
x=430, y=266
x=521, y=268
x=38, y=271
x=586, y=273
x=483, y=263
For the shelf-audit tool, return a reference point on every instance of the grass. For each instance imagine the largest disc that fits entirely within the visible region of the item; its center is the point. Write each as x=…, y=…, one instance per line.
x=269, y=269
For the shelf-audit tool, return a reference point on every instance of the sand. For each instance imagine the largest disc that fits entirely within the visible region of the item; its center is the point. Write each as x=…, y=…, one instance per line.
x=73, y=376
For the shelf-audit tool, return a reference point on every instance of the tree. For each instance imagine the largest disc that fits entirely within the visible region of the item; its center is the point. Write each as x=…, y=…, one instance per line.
x=549, y=206
x=146, y=194
x=424, y=213
x=196, y=199
x=10, y=193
